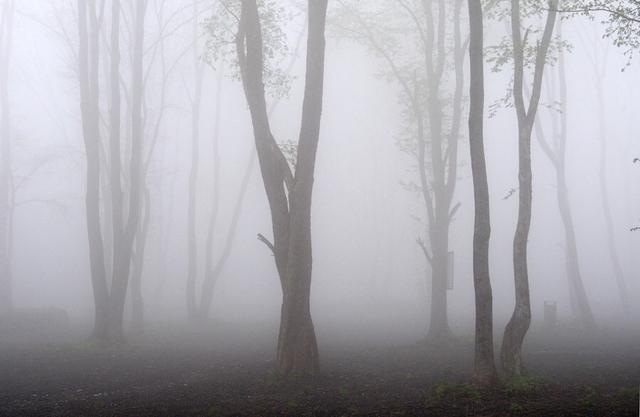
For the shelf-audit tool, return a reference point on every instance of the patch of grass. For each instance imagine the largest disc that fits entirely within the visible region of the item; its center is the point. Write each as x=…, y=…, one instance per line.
x=213, y=411
x=292, y=404
x=516, y=409
x=272, y=378
x=589, y=398
x=523, y=385
x=449, y=392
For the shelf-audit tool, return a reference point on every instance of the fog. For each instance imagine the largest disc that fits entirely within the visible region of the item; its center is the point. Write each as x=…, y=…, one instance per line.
x=371, y=284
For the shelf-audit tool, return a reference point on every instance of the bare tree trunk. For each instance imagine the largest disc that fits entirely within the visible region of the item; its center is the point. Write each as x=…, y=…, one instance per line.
x=122, y=268
x=88, y=77
x=484, y=369
x=291, y=215
x=6, y=203
x=518, y=325
x=297, y=346
x=210, y=273
x=556, y=152
x=137, y=301
x=213, y=271
x=192, y=270
x=600, y=73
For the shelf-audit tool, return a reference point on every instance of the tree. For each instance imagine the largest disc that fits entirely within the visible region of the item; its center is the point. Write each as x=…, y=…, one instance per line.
x=289, y=193
x=484, y=362
x=598, y=61
x=89, y=106
x=110, y=299
x=556, y=153
x=6, y=194
x=428, y=138
x=518, y=325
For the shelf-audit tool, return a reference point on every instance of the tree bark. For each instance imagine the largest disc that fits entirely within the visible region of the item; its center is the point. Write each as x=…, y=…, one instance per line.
x=6, y=203
x=518, y=325
x=484, y=369
x=556, y=152
x=600, y=74
x=290, y=214
x=137, y=301
x=87, y=70
x=122, y=268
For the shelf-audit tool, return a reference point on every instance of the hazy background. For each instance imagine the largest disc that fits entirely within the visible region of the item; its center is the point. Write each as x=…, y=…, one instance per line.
x=369, y=276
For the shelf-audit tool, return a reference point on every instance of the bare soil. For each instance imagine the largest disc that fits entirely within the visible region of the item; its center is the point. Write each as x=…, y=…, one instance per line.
x=182, y=373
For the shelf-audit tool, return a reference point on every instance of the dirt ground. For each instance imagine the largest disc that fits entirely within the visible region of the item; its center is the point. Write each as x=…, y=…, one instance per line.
x=177, y=373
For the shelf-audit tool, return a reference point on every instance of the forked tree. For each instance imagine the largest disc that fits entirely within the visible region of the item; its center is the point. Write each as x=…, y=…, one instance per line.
x=289, y=193
x=518, y=325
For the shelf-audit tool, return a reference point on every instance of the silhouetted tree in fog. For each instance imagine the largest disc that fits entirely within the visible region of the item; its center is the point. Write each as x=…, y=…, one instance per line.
x=518, y=325
x=432, y=126
x=110, y=297
x=556, y=152
x=289, y=194
x=484, y=361
x=6, y=185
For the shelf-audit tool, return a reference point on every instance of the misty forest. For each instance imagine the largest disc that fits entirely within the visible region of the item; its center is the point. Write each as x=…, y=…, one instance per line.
x=322, y=207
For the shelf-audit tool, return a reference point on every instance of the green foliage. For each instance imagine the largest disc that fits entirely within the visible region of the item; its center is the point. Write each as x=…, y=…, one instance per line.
x=221, y=29
x=500, y=55
x=621, y=19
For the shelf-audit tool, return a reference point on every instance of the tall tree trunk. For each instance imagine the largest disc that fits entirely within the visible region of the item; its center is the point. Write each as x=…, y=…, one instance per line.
x=192, y=269
x=6, y=203
x=484, y=369
x=518, y=325
x=88, y=79
x=600, y=74
x=137, y=301
x=122, y=268
x=290, y=215
x=556, y=152
x=297, y=346
x=210, y=273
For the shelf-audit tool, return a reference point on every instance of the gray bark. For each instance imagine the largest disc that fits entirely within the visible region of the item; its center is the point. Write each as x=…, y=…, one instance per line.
x=289, y=197
x=192, y=269
x=484, y=370
x=88, y=81
x=518, y=325
x=600, y=73
x=557, y=155
x=6, y=194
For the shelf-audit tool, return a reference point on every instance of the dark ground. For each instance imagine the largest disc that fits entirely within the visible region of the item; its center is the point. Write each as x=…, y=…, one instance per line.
x=156, y=376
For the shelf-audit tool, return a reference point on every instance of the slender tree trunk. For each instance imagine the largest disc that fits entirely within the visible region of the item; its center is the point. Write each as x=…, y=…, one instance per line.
x=556, y=152
x=573, y=266
x=192, y=270
x=213, y=272
x=518, y=325
x=210, y=272
x=484, y=369
x=88, y=60
x=290, y=215
x=122, y=268
x=6, y=203
x=137, y=301
x=604, y=192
